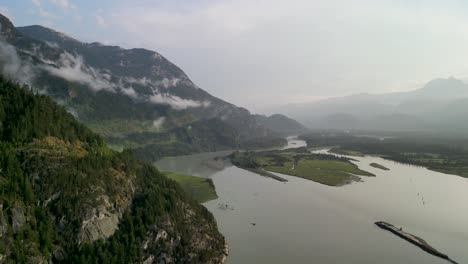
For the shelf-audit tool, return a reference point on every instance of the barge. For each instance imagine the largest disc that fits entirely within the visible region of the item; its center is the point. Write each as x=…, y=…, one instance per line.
x=415, y=240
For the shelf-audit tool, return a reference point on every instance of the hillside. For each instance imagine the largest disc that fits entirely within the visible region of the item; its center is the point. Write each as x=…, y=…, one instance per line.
x=281, y=124
x=67, y=198
x=120, y=92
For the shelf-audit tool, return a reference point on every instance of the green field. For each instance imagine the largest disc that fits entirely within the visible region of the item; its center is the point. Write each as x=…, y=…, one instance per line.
x=328, y=172
x=324, y=169
x=200, y=189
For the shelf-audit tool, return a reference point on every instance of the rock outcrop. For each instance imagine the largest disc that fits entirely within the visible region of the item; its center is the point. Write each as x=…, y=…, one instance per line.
x=101, y=221
x=18, y=218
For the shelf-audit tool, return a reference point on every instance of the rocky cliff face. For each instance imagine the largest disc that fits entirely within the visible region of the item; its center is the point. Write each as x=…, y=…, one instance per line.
x=101, y=221
x=167, y=234
x=7, y=29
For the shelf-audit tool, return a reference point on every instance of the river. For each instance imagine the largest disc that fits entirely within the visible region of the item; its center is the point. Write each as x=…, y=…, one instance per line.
x=301, y=221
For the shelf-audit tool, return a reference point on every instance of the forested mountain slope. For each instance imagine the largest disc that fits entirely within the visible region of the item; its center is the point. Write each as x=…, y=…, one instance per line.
x=66, y=197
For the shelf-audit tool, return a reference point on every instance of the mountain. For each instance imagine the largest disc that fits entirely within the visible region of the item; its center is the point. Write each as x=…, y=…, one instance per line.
x=450, y=88
x=281, y=124
x=438, y=105
x=121, y=92
x=68, y=198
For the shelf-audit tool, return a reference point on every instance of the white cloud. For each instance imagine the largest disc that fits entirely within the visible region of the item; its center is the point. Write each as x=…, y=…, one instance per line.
x=73, y=68
x=175, y=102
x=130, y=92
x=51, y=44
x=100, y=21
x=61, y=3
x=12, y=66
x=155, y=85
x=45, y=14
x=36, y=2
x=158, y=123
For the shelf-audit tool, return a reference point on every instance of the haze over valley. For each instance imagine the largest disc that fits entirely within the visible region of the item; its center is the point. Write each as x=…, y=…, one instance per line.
x=440, y=106
x=233, y=132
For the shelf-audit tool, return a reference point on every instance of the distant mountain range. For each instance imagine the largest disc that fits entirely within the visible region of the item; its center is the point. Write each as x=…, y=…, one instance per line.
x=441, y=105
x=121, y=93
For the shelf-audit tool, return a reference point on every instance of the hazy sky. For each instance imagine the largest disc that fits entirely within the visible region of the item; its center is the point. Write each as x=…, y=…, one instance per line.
x=259, y=52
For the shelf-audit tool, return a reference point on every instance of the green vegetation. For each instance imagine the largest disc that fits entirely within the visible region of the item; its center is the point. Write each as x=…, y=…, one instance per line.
x=264, y=143
x=325, y=169
x=200, y=189
x=248, y=161
x=56, y=177
x=346, y=152
x=125, y=123
x=201, y=136
x=109, y=127
x=447, y=155
x=378, y=166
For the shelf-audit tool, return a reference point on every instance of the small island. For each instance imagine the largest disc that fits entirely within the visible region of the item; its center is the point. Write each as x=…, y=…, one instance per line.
x=325, y=169
x=378, y=166
x=415, y=240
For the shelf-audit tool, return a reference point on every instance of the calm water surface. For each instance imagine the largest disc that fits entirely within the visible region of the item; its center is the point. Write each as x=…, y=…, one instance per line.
x=301, y=221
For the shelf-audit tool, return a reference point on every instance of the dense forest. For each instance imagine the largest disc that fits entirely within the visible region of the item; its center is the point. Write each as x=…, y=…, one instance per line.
x=66, y=197
x=448, y=155
x=201, y=136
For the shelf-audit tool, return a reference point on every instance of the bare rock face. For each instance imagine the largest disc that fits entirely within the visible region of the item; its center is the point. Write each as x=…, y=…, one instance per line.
x=149, y=260
x=7, y=29
x=18, y=218
x=3, y=224
x=99, y=223
x=162, y=241
x=38, y=260
x=59, y=253
x=102, y=221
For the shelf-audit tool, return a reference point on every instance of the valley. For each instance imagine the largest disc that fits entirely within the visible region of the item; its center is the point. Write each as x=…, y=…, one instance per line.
x=112, y=154
x=328, y=221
